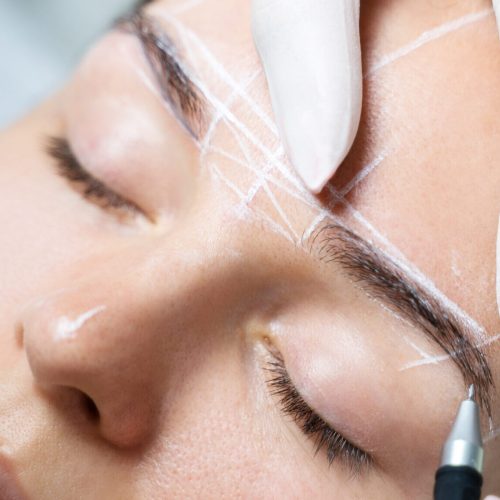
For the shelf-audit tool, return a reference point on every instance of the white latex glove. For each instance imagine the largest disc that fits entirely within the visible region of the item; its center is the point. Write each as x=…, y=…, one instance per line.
x=311, y=53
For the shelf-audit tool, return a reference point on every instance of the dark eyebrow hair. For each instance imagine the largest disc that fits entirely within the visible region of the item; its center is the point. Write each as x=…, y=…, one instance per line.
x=383, y=279
x=177, y=88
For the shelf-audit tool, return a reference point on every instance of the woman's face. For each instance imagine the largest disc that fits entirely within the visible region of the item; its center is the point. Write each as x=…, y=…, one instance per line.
x=182, y=320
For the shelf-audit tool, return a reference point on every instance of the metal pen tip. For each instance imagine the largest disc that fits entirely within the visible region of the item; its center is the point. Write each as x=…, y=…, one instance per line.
x=472, y=392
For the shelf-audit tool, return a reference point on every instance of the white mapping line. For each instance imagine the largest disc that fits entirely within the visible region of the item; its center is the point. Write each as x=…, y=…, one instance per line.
x=367, y=169
x=278, y=208
x=261, y=181
x=424, y=281
x=423, y=354
x=67, y=328
x=498, y=266
x=310, y=201
x=493, y=434
x=221, y=71
x=244, y=149
x=233, y=187
x=314, y=224
x=237, y=91
x=223, y=109
x=229, y=116
x=262, y=174
x=205, y=143
x=272, y=224
x=434, y=360
x=225, y=112
x=218, y=115
x=256, y=186
x=423, y=39
x=427, y=37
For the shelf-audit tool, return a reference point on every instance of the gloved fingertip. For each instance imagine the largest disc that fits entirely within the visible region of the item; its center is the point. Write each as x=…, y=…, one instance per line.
x=315, y=178
x=315, y=162
x=317, y=185
x=315, y=79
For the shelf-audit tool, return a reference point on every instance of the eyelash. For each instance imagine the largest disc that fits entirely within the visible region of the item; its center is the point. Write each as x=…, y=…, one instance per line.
x=311, y=424
x=280, y=384
x=70, y=168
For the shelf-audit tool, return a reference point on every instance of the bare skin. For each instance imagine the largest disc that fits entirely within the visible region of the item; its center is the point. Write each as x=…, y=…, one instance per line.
x=189, y=298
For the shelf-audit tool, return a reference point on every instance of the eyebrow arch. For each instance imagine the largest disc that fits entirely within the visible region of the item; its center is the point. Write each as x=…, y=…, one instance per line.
x=163, y=56
x=382, y=279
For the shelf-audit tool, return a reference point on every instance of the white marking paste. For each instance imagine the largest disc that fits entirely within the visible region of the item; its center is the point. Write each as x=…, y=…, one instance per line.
x=427, y=37
x=273, y=165
x=493, y=434
x=434, y=360
x=67, y=328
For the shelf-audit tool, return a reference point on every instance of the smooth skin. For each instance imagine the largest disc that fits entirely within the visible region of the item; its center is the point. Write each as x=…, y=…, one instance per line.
x=199, y=290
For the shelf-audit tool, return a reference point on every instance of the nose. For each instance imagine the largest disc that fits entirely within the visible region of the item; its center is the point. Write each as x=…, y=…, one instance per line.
x=116, y=335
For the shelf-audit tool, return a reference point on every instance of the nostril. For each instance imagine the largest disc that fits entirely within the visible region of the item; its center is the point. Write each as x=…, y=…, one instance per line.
x=90, y=408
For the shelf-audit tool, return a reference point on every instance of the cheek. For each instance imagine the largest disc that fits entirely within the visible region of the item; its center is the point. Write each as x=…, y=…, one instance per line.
x=224, y=437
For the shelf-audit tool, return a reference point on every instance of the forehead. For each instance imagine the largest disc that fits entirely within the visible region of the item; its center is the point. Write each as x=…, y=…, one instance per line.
x=422, y=181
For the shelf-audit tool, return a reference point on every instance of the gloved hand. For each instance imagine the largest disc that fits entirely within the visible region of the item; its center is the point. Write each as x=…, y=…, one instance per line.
x=311, y=53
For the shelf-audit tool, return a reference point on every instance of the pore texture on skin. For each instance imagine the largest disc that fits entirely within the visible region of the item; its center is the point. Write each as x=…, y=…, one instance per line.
x=204, y=326
x=229, y=105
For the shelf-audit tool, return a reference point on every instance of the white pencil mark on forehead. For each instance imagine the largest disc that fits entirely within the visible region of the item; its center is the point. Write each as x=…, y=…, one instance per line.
x=269, y=167
x=428, y=37
x=427, y=359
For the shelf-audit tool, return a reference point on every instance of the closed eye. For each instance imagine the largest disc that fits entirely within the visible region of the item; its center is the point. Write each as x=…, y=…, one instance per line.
x=69, y=167
x=336, y=446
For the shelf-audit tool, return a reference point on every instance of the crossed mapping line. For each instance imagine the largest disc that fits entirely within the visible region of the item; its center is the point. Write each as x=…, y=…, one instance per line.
x=272, y=172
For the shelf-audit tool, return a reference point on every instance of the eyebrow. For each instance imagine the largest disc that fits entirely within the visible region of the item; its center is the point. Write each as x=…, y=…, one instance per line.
x=379, y=277
x=383, y=280
x=177, y=87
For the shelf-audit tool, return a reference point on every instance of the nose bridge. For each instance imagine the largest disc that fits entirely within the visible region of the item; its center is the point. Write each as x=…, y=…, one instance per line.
x=110, y=334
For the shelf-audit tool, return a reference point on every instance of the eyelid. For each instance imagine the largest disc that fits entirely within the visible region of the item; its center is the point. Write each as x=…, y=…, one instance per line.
x=69, y=167
x=310, y=423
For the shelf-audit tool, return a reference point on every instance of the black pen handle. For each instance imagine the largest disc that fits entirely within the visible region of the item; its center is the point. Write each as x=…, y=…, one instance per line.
x=457, y=483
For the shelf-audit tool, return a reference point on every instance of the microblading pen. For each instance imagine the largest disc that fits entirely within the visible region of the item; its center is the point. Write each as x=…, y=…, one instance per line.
x=459, y=476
